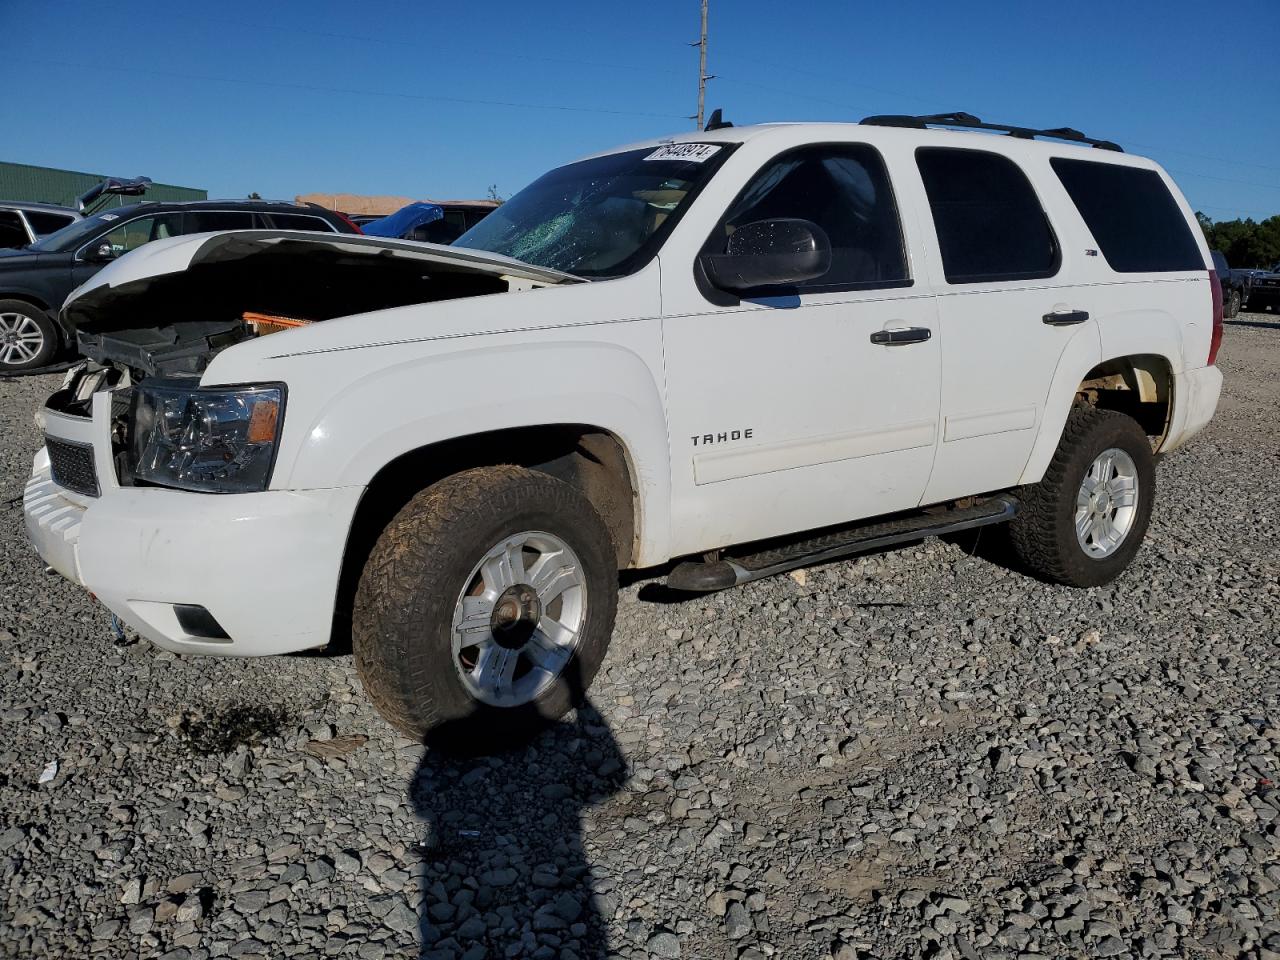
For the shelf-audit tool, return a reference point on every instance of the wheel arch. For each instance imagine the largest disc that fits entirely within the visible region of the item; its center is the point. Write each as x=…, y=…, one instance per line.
x=27, y=297
x=591, y=458
x=1139, y=385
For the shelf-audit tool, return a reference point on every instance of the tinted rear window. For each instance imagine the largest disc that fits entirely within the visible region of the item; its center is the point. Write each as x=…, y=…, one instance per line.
x=207, y=221
x=1132, y=216
x=989, y=221
x=45, y=223
x=12, y=232
x=299, y=221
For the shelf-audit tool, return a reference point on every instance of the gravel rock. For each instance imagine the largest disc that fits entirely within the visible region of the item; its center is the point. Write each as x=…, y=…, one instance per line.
x=917, y=753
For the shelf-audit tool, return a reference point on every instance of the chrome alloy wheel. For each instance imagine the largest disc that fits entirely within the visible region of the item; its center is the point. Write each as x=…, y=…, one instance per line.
x=519, y=618
x=1107, y=503
x=20, y=339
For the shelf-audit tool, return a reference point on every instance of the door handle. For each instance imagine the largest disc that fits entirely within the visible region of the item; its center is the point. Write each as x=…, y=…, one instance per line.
x=901, y=336
x=1065, y=318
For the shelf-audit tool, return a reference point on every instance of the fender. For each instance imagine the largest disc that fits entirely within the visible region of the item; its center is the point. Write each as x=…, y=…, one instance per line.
x=1129, y=333
x=12, y=292
x=396, y=409
x=1081, y=354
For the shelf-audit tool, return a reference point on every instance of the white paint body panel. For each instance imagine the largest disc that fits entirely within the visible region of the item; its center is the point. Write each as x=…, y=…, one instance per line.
x=840, y=428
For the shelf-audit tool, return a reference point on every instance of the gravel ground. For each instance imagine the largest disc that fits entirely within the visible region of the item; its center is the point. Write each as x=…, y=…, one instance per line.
x=915, y=754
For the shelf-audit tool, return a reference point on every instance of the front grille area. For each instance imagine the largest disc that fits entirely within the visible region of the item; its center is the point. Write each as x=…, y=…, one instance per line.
x=72, y=465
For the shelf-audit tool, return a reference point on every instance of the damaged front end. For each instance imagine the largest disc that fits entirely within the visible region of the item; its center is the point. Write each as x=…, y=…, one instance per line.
x=161, y=314
x=167, y=309
x=124, y=497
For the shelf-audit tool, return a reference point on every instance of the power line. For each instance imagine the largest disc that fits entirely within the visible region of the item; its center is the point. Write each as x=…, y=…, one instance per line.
x=1238, y=211
x=650, y=70
x=1203, y=156
x=898, y=94
x=789, y=93
x=1206, y=176
x=315, y=88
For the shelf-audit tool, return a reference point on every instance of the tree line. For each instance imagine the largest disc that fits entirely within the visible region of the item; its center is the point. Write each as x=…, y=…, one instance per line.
x=1245, y=243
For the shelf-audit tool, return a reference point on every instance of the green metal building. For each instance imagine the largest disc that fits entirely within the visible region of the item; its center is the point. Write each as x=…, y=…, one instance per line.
x=21, y=181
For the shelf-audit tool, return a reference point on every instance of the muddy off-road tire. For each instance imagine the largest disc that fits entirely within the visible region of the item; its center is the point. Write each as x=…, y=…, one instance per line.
x=28, y=337
x=1084, y=522
x=485, y=607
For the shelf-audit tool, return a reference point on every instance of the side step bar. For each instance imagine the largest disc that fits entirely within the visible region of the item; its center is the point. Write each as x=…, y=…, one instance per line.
x=702, y=577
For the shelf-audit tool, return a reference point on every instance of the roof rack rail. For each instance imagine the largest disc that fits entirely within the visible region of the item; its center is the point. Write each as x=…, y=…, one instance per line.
x=969, y=122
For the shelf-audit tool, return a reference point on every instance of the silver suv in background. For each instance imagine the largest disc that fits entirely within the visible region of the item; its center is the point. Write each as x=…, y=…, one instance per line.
x=23, y=222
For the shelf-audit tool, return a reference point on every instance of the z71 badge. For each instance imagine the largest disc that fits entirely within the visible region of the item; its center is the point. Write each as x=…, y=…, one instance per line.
x=707, y=439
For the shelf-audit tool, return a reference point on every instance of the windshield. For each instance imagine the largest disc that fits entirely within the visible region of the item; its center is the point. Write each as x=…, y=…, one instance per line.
x=603, y=217
x=72, y=235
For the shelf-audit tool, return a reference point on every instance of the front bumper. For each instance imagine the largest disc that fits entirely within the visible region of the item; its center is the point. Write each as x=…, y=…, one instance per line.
x=265, y=565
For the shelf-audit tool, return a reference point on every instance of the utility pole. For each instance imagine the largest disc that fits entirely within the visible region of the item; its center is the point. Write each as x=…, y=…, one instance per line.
x=702, y=66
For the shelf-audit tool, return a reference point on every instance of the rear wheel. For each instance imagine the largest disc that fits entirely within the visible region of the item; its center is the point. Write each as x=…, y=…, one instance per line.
x=1085, y=521
x=28, y=337
x=1233, y=304
x=485, y=607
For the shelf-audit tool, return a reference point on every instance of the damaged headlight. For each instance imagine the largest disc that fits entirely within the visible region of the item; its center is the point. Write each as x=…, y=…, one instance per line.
x=215, y=440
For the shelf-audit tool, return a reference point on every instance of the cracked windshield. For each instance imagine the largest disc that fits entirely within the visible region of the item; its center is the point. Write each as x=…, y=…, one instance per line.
x=597, y=218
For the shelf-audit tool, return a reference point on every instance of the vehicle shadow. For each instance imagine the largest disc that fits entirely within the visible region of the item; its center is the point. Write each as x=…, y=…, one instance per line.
x=502, y=866
x=1259, y=324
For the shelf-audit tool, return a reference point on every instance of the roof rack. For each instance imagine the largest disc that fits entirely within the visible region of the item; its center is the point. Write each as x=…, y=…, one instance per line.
x=968, y=121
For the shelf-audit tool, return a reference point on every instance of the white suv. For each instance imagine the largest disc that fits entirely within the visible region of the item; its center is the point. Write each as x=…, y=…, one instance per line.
x=751, y=348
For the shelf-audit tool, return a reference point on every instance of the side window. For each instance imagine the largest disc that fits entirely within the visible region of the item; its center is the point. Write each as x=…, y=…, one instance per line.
x=47, y=223
x=12, y=232
x=442, y=231
x=1132, y=216
x=844, y=189
x=989, y=221
x=298, y=221
x=131, y=235
x=207, y=221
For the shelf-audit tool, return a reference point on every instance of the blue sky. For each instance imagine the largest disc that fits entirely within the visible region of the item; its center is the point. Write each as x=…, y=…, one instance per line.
x=426, y=99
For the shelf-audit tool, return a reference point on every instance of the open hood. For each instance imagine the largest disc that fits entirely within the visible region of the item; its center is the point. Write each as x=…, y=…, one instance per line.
x=169, y=306
x=177, y=254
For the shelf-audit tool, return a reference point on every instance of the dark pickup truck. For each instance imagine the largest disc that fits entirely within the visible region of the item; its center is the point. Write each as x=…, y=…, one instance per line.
x=1264, y=289
x=1235, y=287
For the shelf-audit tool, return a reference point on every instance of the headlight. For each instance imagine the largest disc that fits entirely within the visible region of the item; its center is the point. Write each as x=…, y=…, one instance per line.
x=216, y=440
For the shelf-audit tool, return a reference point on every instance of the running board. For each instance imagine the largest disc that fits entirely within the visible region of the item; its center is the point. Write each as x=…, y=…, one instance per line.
x=702, y=577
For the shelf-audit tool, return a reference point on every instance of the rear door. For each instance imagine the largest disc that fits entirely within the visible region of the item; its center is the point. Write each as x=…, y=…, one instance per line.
x=1007, y=311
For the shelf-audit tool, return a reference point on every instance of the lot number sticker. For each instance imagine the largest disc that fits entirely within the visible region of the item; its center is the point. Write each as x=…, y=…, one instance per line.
x=691, y=152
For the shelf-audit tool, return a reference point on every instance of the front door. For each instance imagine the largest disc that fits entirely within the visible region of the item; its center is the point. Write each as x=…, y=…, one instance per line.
x=122, y=238
x=797, y=410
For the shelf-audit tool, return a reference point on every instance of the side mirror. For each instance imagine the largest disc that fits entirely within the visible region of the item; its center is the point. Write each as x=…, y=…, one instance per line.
x=770, y=253
x=99, y=252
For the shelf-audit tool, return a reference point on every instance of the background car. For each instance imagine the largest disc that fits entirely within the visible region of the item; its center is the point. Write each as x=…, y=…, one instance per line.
x=459, y=217
x=1264, y=289
x=23, y=223
x=1234, y=286
x=36, y=280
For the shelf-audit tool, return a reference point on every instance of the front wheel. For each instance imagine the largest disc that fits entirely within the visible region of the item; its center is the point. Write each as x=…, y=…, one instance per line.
x=485, y=607
x=1085, y=520
x=28, y=337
